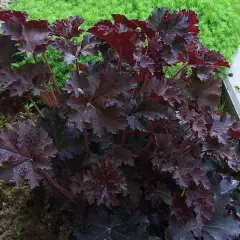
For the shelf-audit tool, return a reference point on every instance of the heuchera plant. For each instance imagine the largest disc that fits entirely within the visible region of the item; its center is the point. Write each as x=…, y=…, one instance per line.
x=135, y=141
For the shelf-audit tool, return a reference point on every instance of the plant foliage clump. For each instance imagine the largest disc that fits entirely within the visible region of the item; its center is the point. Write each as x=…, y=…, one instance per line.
x=139, y=154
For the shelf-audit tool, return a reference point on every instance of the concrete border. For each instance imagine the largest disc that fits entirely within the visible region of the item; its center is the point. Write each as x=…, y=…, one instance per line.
x=232, y=85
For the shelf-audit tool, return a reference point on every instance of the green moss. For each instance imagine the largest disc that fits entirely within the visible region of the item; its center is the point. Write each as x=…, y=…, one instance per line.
x=59, y=67
x=3, y=120
x=219, y=22
x=20, y=221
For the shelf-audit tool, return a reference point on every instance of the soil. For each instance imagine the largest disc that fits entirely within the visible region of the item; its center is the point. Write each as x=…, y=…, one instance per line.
x=24, y=217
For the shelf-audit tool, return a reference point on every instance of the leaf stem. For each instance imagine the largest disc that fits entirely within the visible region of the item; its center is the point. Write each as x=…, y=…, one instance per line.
x=77, y=68
x=135, y=92
x=166, y=70
x=47, y=97
x=52, y=75
x=30, y=116
x=185, y=139
x=85, y=135
x=184, y=192
x=34, y=57
x=179, y=70
x=123, y=139
x=119, y=65
x=36, y=107
x=185, y=131
x=144, y=85
x=65, y=192
x=147, y=145
x=54, y=98
x=70, y=68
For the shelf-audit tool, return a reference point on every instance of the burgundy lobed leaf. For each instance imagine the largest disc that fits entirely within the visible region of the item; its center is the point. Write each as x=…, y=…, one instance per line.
x=93, y=94
x=221, y=127
x=205, y=61
x=134, y=24
x=221, y=226
x=144, y=65
x=72, y=51
x=170, y=25
x=167, y=91
x=234, y=131
x=225, y=153
x=193, y=21
x=91, y=45
x=24, y=150
x=185, y=170
x=185, y=167
x=8, y=51
x=120, y=155
x=10, y=105
x=77, y=184
x=161, y=194
x=25, y=79
x=202, y=201
x=119, y=37
x=148, y=110
x=195, y=120
x=116, y=225
x=161, y=54
x=207, y=94
x=68, y=28
x=103, y=183
x=180, y=213
x=157, y=17
x=13, y=16
x=228, y=185
x=30, y=34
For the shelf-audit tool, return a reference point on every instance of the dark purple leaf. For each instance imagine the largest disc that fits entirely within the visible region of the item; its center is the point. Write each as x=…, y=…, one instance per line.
x=13, y=17
x=72, y=51
x=202, y=202
x=228, y=185
x=186, y=169
x=170, y=25
x=134, y=24
x=10, y=105
x=225, y=153
x=207, y=93
x=92, y=93
x=68, y=28
x=25, y=79
x=161, y=194
x=220, y=127
x=8, y=49
x=103, y=183
x=180, y=213
x=195, y=120
x=31, y=35
x=119, y=37
x=202, y=59
x=104, y=225
x=220, y=227
x=63, y=134
x=120, y=155
x=23, y=150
